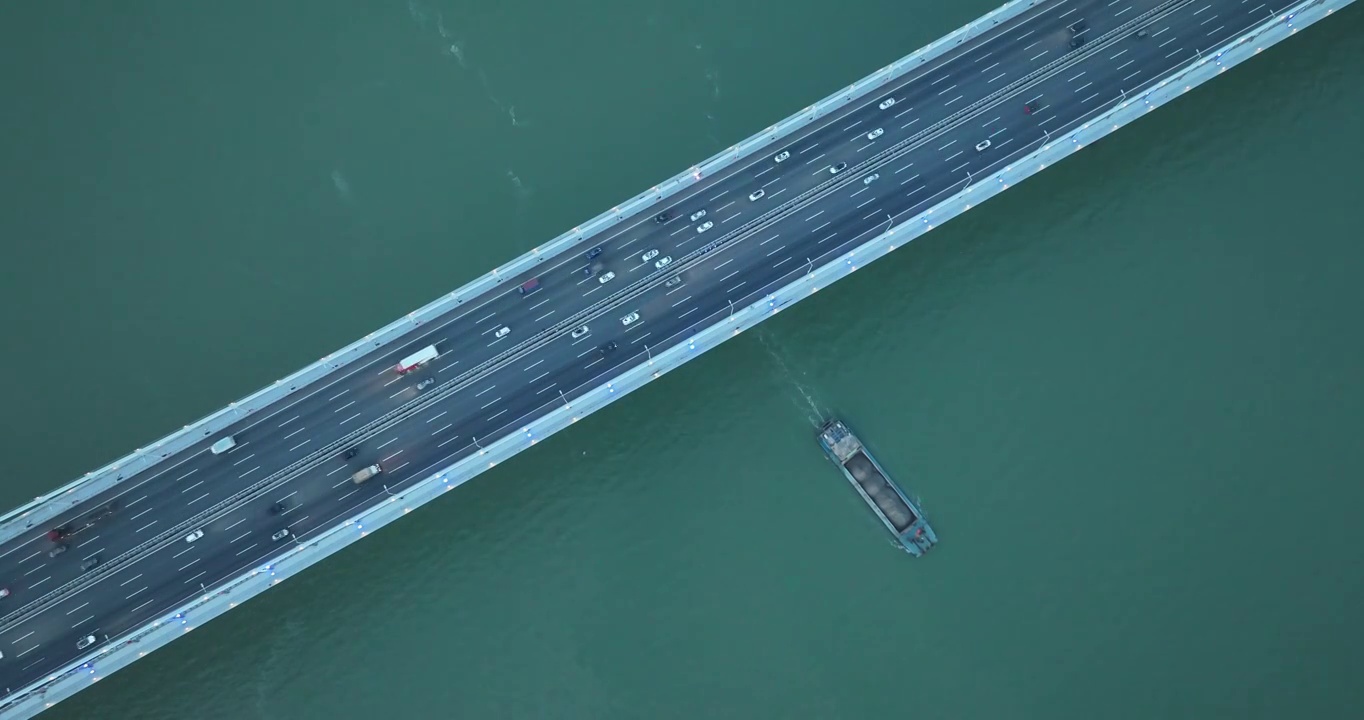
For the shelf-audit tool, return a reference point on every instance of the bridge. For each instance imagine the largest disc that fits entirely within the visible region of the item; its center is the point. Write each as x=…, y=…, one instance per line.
x=554, y=335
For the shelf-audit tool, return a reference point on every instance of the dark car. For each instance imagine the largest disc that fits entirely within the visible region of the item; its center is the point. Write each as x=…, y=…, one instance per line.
x=594, y=252
x=662, y=217
x=352, y=453
x=1077, y=41
x=608, y=347
x=1078, y=27
x=1030, y=108
x=277, y=508
x=89, y=562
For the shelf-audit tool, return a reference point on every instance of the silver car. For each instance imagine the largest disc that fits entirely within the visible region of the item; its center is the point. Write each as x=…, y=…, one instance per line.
x=580, y=332
x=608, y=277
x=885, y=104
x=646, y=257
x=782, y=156
x=632, y=317
x=698, y=214
x=663, y=262
x=878, y=132
x=702, y=228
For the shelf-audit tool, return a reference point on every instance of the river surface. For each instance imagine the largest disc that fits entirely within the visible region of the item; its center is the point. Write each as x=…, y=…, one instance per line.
x=1128, y=391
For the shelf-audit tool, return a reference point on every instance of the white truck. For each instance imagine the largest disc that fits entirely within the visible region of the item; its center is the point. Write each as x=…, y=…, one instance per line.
x=366, y=473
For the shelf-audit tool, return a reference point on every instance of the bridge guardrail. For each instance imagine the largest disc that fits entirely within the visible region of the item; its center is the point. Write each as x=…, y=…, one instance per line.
x=32, y=699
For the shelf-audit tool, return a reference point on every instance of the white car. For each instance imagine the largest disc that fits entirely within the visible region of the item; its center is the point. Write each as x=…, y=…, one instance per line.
x=629, y=318
x=663, y=262
x=608, y=277
x=757, y=195
x=838, y=168
x=194, y=536
x=502, y=332
x=782, y=156
x=875, y=133
x=580, y=332
x=283, y=533
x=646, y=257
x=4, y=592
x=699, y=228
x=885, y=104
x=86, y=642
x=982, y=145
x=870, y=179
x=698, y=214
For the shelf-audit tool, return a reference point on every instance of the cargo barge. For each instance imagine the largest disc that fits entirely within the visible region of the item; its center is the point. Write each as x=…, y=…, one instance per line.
x=904, y=519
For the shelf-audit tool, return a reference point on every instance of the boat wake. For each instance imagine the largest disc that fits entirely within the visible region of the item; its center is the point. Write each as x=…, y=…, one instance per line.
x=804, y=399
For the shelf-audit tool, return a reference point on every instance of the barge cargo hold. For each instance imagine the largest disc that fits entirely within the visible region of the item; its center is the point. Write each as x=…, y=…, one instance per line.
x=904, y=519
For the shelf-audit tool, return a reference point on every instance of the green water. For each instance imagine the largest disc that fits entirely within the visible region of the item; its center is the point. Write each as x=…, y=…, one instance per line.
x=1128, y=391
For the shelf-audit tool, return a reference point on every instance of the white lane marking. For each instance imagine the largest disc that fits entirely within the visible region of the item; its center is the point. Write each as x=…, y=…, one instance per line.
x=484, y=391
x=774, y=252
x=248, y=472
x=494, y=402
x=679, y=317
x=500, y=412
x=774, y=237
x=443, y=429
x=916, y=177
x=144, y=512
x=948, y=145
x=352, y=417
x=131, y=579
x=343, y=392
x=991, y=67
x=390, y=442
x=1038, y=55
x=68, y=612
x=182, y=477
x=997, y=77
x=1077, y=77
x=196, y=577
x=144, y=527
x=1082, y=87
x=437, y=417
x=191, y=487
x=239, y=522
x=683, y=300
x=343, y=407
x=239, y=462
x=246, y=549
x=780, y=263
x=195, y=500
x=305, y=442
x=191, y=564
x=821, y=227
x=544, y=375
x=949, y=89
x=954, y=155
x=239, y=537
x=390, y=457
x=949, y=102
x=286, y=437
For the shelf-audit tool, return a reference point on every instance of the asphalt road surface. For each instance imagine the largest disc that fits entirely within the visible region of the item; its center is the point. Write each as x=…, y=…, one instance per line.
x=507, y=398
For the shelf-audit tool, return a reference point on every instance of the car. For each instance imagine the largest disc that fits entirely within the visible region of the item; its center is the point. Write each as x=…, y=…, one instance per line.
x=1076, y=41
x=663, y=262
x=646, y=257
x=782, y=156
x=838, y=168
x=502, y=332
x=594, y=252
x=878, y=132
x=662, y=217
x=194, y=536
x=673, y=281
x=4, y=592
x=607, y=347
x=757, y=195
x=1031, y=107
x=870, y=179
x=283, y=533
x=608, y=277
x=223, y=445
x=1077, y=27
x=89, y=563
x=632, y=317
x=698, y=214
x=86, y=642
x=701, y=228
x=580, y=332
x=426, y=383
x=1141, y=34
x=54, y=552
x=887, y=103
x=982, y=145
x=277, y=508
